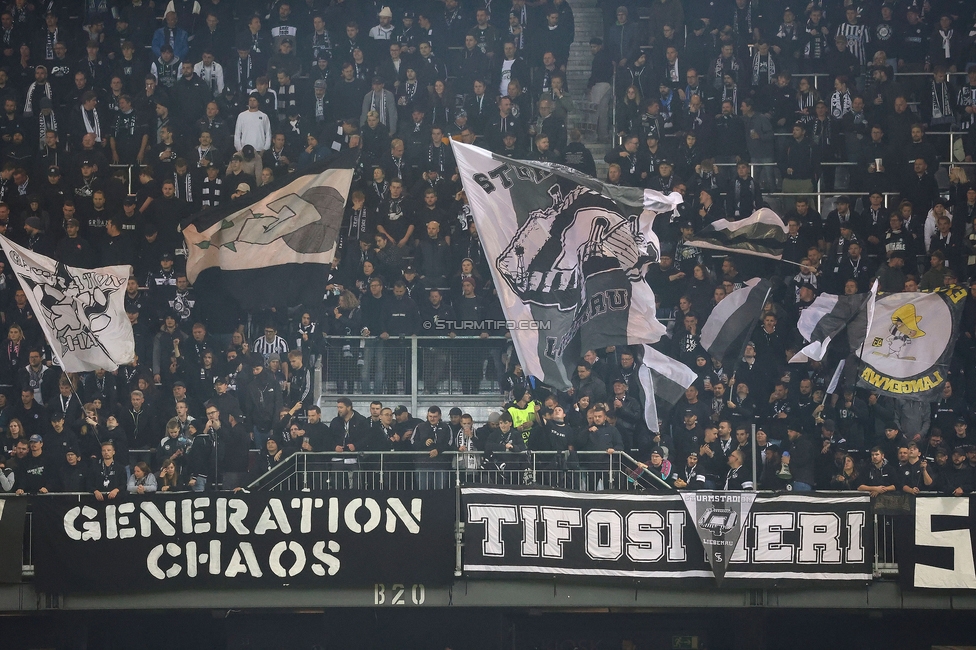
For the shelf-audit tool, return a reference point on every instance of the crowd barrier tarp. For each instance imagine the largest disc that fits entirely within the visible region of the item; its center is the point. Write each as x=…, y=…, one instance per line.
x=241, y=540
x=13, y=511
x=934, y=545
x=541, y=532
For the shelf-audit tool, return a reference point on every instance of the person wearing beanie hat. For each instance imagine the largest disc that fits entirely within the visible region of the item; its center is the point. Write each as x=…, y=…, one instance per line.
x=524, y=412
x=38, y=240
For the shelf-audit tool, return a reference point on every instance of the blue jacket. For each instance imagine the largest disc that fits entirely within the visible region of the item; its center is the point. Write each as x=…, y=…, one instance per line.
x=181, y=41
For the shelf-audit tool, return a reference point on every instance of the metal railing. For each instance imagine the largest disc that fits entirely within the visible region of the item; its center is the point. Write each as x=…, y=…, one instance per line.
x=412, y=365
x=410, y=470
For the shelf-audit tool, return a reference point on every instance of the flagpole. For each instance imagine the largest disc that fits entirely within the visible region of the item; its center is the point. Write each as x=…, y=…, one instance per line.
x=755, y=484
x=748, y=336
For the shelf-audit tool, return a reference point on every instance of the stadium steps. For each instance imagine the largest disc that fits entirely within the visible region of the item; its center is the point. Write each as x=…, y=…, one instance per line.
x=589, y=23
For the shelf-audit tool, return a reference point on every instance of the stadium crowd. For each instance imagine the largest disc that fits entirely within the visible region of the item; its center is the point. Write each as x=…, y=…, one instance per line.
x=122, y=120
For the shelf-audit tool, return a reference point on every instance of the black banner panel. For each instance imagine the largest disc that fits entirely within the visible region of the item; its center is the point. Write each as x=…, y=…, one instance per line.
x=535, y=532
x=243, y=540
x=13, y=511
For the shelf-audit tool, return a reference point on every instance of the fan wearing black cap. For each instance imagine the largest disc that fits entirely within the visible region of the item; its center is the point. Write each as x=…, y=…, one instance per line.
x=802, y=457
x=65, y=414
x=37, y=240
x=74, y=250
x=37, y=472
x=957, y=478
x=891, y=276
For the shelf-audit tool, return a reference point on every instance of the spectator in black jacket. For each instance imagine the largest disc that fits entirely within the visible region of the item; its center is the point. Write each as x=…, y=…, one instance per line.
x=629, y=413
x=200, y=458
x=375, y=319
x=74, y=475
x=262, y=401
x=348, y=432
x=879, y=477
x=799, y=164
x=299, y=385
x=434, y=437
x=801, y=458
x=37, y=472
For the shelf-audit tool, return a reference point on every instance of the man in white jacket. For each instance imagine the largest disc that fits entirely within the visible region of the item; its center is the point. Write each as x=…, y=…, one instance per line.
x=211, y=72
x=253, y=128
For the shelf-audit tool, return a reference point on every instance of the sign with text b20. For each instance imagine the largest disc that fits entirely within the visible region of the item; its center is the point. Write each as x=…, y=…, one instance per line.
x=550, y=532
x=243, y=540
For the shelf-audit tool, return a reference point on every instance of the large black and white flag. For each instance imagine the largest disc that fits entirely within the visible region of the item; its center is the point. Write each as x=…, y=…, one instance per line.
x=80, y=311
x=731, y=322
x=762, y=234
x=568, y=255
x=664, y=377
x=271, y=247
x=828, y=316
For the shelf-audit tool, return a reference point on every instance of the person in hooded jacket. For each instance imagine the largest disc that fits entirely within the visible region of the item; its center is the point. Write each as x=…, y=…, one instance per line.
x=74, y=475
x=505, y=443
x=199, y=459
x=262, y=400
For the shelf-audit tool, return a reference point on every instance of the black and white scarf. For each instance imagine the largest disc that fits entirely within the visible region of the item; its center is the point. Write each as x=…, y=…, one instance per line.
x=379, y=106
x=244, y=73
x=722, y=66
x=32, y=90
x=822, y=133
x=93, y=124
x=50, y=38
x=211, y=192
x=816, y=47
x=737, y=18
x=731, y=95
x=46, y=123
x=184, y=186
x=946, y=43
x=763, y=70
x=286, y=100
x=807, y=101
x=436, y=158
x=787, y=32
x=840, y=104
x=941, y=103
x=358, y=220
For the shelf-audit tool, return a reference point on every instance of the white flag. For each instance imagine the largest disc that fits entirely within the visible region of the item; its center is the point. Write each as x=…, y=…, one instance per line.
x=80, y=311
x=661, y=375
x=567, y=256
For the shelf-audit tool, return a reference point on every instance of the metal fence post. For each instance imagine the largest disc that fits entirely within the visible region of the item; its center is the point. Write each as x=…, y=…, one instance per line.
x=755, y=458
x=413, y=374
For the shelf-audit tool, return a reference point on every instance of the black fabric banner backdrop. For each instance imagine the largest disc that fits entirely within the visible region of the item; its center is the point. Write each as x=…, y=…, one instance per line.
x=549, y=532
x=935, y=546
x=242, y=540
x=13, y=512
